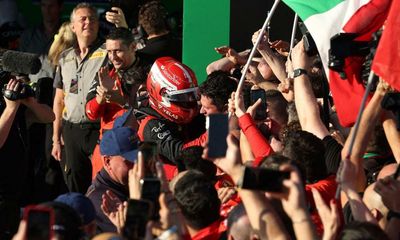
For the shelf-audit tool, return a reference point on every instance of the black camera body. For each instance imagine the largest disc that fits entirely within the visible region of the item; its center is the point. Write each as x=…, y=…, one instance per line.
x=344, y=45
x=24, y=91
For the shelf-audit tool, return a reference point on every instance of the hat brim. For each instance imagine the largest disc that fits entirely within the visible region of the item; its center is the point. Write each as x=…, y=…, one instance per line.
x=131, y=156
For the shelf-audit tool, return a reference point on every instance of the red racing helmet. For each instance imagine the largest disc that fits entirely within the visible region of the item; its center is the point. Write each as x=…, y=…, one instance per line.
x=173, y=90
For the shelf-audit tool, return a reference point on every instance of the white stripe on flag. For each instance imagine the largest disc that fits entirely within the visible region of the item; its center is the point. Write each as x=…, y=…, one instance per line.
x=325, y=25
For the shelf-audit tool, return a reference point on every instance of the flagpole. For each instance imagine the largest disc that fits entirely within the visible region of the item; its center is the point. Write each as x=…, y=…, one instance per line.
x=292, y=38
x=294, y=29
x=357, y=124
x=253, y=50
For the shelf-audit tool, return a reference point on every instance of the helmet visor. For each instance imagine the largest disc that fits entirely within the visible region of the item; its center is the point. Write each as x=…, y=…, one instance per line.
x=186, y=98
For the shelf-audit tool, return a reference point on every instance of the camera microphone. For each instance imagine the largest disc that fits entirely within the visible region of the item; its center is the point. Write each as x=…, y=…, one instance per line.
x=19, y=62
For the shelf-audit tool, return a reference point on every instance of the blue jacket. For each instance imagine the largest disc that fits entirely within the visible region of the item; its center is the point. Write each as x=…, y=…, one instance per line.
x=100, y=185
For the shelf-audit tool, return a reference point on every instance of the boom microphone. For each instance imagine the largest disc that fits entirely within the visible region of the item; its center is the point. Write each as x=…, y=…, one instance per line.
x=19, y=62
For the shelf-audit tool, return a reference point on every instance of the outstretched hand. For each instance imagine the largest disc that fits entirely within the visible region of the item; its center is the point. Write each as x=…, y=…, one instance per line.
x=329, y=215
x=293, y=199
x=106, y=85
x=231, y=54
x=116, y=17
x=105, y=80
x=114, y=209
x=389, y=189
x=282, y=47
x=264, y=44
x=239, y=108
x=134, y=176
x=232, y=162
x=299, y=57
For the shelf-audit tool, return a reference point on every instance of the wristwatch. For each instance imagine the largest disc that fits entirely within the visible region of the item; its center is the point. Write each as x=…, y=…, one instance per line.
x=298, y=72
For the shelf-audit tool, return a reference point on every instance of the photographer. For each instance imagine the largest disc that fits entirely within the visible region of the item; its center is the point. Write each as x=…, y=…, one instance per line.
x=9, y=112
x=18, y=97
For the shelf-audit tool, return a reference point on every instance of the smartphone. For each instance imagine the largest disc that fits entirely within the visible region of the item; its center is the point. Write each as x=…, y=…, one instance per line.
x=264, y=179
x=150, y=190
x=137, y=215
x=149, y=152
x=261, y=111
x=309, y=44
x=217, y=132
x=114, y=3
x=39, y=220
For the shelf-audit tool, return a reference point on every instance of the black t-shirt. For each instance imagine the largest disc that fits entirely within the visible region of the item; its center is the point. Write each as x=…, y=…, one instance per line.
x=162, y=46
x=333, y=155
x=13, y=156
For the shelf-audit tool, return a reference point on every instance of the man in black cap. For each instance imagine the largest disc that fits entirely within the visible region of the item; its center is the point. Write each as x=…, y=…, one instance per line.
x=84, y=207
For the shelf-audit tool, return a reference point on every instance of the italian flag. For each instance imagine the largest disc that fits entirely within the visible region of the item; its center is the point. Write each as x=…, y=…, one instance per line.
x=324, y=19
x=387, y=57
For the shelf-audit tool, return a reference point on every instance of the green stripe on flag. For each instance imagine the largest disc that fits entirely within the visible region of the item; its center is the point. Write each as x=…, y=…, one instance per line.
x=307, y=8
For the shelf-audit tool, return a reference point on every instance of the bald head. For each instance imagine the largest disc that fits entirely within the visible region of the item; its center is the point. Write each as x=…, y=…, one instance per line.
x=374, y=203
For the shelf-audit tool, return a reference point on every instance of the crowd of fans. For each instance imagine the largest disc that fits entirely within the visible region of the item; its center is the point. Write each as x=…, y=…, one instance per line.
x=115, y=144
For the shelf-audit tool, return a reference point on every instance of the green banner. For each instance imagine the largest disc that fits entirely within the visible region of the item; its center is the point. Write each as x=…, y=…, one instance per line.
x=205, y=26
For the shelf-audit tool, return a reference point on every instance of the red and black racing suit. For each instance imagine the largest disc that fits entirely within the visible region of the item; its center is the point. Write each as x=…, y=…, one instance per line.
x=170, y=137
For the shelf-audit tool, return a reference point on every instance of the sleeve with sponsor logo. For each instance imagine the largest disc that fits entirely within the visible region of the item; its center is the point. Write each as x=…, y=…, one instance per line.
x=168, y=141
x=198, y=141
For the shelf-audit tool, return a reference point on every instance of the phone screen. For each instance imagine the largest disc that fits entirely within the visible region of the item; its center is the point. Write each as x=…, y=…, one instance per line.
x=39, y=221
x=149, y=152
x=150, y=190
x=261, y=111
x=217, y=132
x=137, y=215
x=264, y=179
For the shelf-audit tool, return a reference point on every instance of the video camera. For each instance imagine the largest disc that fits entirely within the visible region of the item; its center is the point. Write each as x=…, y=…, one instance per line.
x=344, y=45
x=13, y=64
x=23, y=91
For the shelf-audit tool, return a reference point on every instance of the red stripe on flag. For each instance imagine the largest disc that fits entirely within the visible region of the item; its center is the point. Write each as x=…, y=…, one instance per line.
x=386, y=61
x=368, y=19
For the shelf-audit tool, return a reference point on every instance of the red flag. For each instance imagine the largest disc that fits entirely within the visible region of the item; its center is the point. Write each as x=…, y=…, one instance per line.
x=347, y=93
x=386, y=62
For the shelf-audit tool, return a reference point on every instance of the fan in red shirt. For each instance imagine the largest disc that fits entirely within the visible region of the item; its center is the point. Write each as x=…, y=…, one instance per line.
x=117, y=87
x=307, y=152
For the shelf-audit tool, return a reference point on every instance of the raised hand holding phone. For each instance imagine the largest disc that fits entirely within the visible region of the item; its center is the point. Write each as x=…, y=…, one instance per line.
x=217, y=132
x=39, y=221
x=258, y=95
